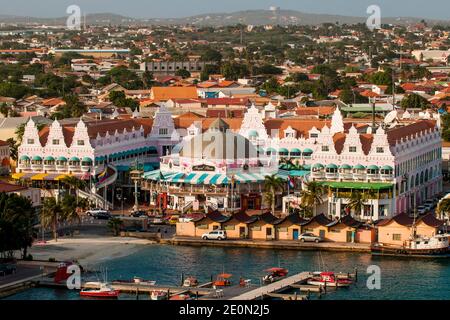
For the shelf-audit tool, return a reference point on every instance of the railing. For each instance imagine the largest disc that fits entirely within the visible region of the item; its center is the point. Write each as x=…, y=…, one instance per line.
x=96, y=198
x=187, y=206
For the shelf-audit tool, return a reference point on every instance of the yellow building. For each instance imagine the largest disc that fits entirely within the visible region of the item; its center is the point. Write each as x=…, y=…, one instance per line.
x=237, y=226
x=348, y=229
x=317, y=225
x=264, y=227
x=290, y=227
x=398, y=230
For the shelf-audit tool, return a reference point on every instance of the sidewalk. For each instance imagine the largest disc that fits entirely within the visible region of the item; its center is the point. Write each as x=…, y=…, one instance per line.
x=274, y=244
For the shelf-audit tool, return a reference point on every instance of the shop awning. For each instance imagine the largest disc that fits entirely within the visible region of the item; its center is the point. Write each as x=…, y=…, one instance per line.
x=357, y=185
x=39, y=177
x=293, y=173
x=249, y=177
x=17, y=176
x=62, y=176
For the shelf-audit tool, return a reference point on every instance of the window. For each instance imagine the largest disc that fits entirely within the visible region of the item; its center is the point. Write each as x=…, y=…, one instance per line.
x=55, y=142
x=397, y=237
x=325, y=148
x=80, y=142
x=163, y=131
x=352, y=149
x=380, y=150
x=314, y=135
x=30, y=141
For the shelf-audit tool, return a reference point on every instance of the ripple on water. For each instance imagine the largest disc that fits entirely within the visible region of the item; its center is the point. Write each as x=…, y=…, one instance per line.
x=400, y=278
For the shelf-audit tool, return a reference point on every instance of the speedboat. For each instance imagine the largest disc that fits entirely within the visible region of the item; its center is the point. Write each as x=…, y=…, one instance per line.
x=105, y=291
x=223, y=280
x=158, y=295
x=329, y=279
x=190, y=282
x=274, y=274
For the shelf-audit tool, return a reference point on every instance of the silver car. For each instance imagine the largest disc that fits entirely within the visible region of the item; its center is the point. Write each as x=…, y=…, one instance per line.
x=215, y=235
x=309, y=237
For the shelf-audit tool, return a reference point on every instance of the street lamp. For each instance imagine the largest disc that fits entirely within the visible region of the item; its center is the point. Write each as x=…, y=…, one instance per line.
x=136, y=177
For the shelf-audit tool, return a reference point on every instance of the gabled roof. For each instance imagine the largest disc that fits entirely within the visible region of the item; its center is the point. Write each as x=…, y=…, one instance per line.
x=397, y=134
x=215, y=216
x=294, y=219
x=320, y=219
x=347, y=220
x=406, y=220
x=241, y=216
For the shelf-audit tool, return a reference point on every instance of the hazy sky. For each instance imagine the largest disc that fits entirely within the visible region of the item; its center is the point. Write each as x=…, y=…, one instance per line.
x=438, y=9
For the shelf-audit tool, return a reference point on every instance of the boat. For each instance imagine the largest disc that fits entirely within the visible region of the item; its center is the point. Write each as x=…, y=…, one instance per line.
x=136, y=280
x=190, y=282
x=223, y=280
x=181, y=297
x=274, y=274
x=158, y=295
x=328, y=279
x=417, y=246
x=105, y=291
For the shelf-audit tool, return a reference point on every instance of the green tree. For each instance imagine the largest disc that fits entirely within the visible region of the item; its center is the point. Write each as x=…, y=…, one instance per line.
x=51, y=214
x=4, y=109
x=16, y=224
x=115, y=224
x=183, y=73
x=272, y=185
x=415, y=101
x=9, y=89
x=313, y=195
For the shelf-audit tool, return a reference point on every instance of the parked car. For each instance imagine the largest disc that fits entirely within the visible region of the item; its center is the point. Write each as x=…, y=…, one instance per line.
x=422, y=209
x=6, y=269
x=215, y=235
x=99, y=214
x=309, y=237
x=139, y=213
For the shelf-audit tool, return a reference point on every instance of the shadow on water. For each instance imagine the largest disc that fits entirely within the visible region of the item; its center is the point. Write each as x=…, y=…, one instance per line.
x=401, y=278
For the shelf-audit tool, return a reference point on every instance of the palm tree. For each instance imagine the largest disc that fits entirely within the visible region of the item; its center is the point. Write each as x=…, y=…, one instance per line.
x=73, y=183
x=114, y=224
x=444, y=207
x=51, y=214
x=358, y=199
x=312, y=195
x=273, y=184
x=69, y=209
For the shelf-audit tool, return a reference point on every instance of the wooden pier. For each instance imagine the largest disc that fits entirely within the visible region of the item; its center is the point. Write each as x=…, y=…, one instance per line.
x=275, y=288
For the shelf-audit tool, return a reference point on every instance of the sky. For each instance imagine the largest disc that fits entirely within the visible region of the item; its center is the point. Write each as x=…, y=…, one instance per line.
x=431, y=9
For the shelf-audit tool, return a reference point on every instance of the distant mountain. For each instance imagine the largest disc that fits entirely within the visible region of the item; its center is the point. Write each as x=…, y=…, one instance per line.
x=249, y=17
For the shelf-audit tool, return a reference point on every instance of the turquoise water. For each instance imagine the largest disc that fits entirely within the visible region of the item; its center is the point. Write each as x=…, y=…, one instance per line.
x=401, y=278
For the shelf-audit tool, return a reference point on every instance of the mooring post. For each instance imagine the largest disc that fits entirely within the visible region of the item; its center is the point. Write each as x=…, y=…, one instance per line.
x=356, y=274
x=182, y=278
x=295, y=295
x=137, y=293
x=196, y=295
x=168, y=294
x=309, y=293
x=325, y=287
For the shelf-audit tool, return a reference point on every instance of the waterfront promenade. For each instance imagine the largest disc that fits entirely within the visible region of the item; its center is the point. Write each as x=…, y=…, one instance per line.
x=271, y=244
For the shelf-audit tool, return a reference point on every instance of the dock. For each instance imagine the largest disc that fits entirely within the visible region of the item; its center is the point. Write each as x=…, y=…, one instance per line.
x=275, y=288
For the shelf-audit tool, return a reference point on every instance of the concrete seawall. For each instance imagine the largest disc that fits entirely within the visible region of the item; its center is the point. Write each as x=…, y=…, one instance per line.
x=275, y=244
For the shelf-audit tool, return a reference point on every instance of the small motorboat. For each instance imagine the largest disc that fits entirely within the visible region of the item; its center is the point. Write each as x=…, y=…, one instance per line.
x=329, y=279
x=138, y=280
x=181, y=297
x=158, y=295
x=223, y=280
x=105, y=291
x=190, y=282
x=61, y=272
x=274, y=274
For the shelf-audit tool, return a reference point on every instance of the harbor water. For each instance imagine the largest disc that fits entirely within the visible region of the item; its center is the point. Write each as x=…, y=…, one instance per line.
x=400, y=278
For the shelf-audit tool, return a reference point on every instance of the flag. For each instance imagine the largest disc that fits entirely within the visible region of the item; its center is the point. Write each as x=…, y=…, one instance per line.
x=291, y=182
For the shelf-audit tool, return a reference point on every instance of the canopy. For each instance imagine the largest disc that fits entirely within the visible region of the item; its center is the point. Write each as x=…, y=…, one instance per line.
x=275, y=269
x=49, y=158
x=387, y=168
x=87, y=159
x=357, y=185
x=359, y=167
x=225, y=275
x=296, y=150
x=62, y=159
x=307, y=150
x=37, y=158
x=332, y=166
x=75, y=159
x=24, y=158
x=373, y=167
x=345, y=166
x=271, y=150
x=39, y=177
x=283, y=150
x=318, y=165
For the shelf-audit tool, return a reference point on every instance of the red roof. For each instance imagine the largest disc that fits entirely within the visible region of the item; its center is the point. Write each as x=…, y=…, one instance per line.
x=8, y=187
